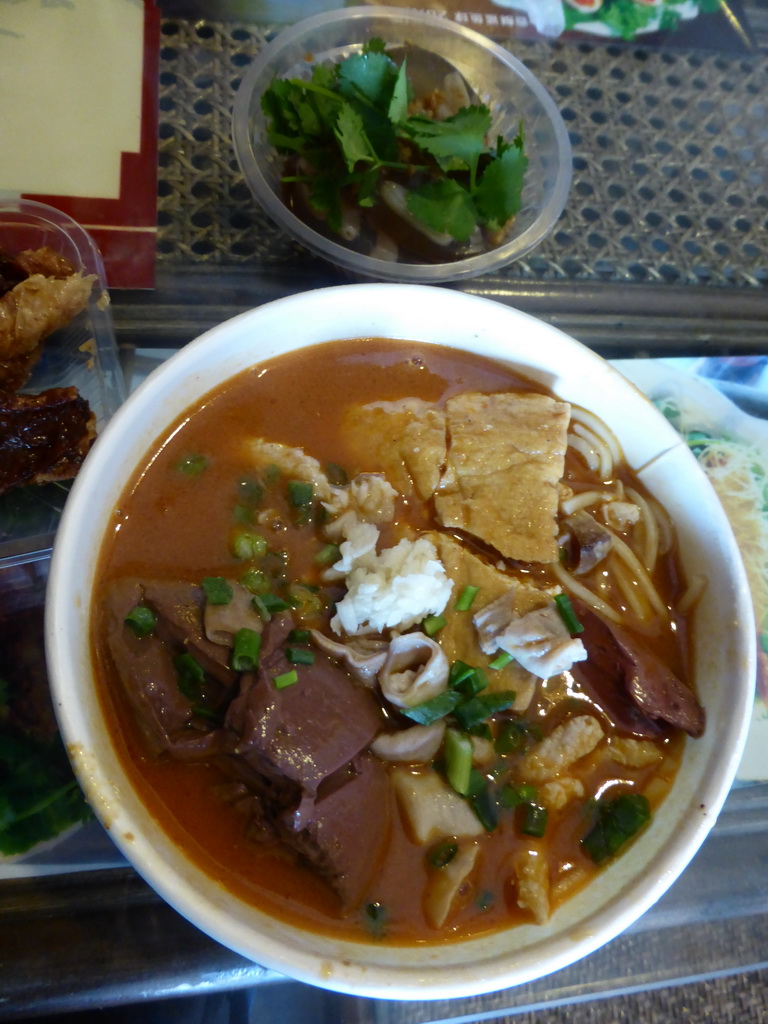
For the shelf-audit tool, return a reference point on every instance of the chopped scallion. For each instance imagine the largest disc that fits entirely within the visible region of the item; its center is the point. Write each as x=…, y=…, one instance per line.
x=567, y=614
x=245, y=544
x=433, y=624
x=485, y=807
x=511, y=736
x=245, y=653
x=192, y=464
x=300, y=636
x=300, y=656
x=618, y=820
x=441, y=854
x=376, y=918
x=501, y=660
x=433, y=709
x=458, y=760
x=217, y=590
x=327, y=555
x=268, y=605
x=286, y=679
x=190, y=675
x=465, y=599
x=459, y=671
x=336, y=474
x=300, y=493
x=534, y=821
x=255, y=581
x=477, y=709
x=141, y=620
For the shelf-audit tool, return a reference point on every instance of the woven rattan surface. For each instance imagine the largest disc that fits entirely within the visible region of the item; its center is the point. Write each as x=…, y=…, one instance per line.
x=670, y=155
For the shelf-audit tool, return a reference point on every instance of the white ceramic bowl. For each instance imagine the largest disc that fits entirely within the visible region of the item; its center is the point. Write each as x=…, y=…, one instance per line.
x=510, y=90
x=724, y=640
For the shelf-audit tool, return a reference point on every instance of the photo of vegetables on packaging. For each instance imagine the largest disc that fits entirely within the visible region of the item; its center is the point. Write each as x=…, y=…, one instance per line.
x=715, y=24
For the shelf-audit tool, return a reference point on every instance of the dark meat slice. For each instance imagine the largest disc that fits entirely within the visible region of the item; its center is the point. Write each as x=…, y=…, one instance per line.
x=179, y=608
x=346, y=838
x=145, y=668
x=632, y=686
x=43, y=437
x=304, y=732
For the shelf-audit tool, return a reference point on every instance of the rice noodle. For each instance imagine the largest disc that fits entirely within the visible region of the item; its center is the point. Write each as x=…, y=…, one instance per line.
x=576, y=589
x=602, y=451
x=692, y=594
x=580, y=418
x=630, y=559
x=584, y=500
x=586, y=451
x=635, y=596
x=650, y=526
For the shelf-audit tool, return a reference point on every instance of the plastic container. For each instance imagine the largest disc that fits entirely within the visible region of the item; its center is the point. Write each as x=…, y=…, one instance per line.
x=83, y=354
x=497, y=78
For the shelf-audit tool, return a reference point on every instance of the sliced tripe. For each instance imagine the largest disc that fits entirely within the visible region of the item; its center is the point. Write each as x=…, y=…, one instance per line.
x=505, y=459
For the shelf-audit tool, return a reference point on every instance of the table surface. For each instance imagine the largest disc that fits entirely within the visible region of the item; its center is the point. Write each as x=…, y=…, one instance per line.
x=661, y=250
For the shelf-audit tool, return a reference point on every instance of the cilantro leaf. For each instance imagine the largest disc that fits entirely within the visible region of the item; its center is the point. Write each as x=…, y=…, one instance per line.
x=398, y=105
x=499, y=193
x=444, y=206
x=370, y=75
x=460, y=138
x=39, y=797
x=352, y=138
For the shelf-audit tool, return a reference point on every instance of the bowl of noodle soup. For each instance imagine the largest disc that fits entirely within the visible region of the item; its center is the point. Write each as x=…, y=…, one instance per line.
x=313, y=375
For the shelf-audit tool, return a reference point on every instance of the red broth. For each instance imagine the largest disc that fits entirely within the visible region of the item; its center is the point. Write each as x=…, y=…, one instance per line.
x=171, y=525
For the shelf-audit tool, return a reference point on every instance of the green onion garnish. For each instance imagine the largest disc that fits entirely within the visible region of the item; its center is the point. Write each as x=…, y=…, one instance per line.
x=513, y=796
x=472, y=684
x=190, y=675
x=268, y=605
x=300, y=636
x=433, y=624
x=433, y=709
x=141, y=620
x=501, y=660
x=300, y=493
x=255, y=581
x=477, y=709
x=567, y=614
x=618, y=820
x=192, y=464
x=466, y=597
x=250, y=491
x=336, y=474
x=327, y=555
x=485, y=807
x=458, y=760
x=245, y=653
x=534, y=821
x=375, y=918
x=286, y=679
x=459, y=671
x=217, y=590
x=246, y=544
x=442, y=854
x=300, y=656
x=511, y=736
